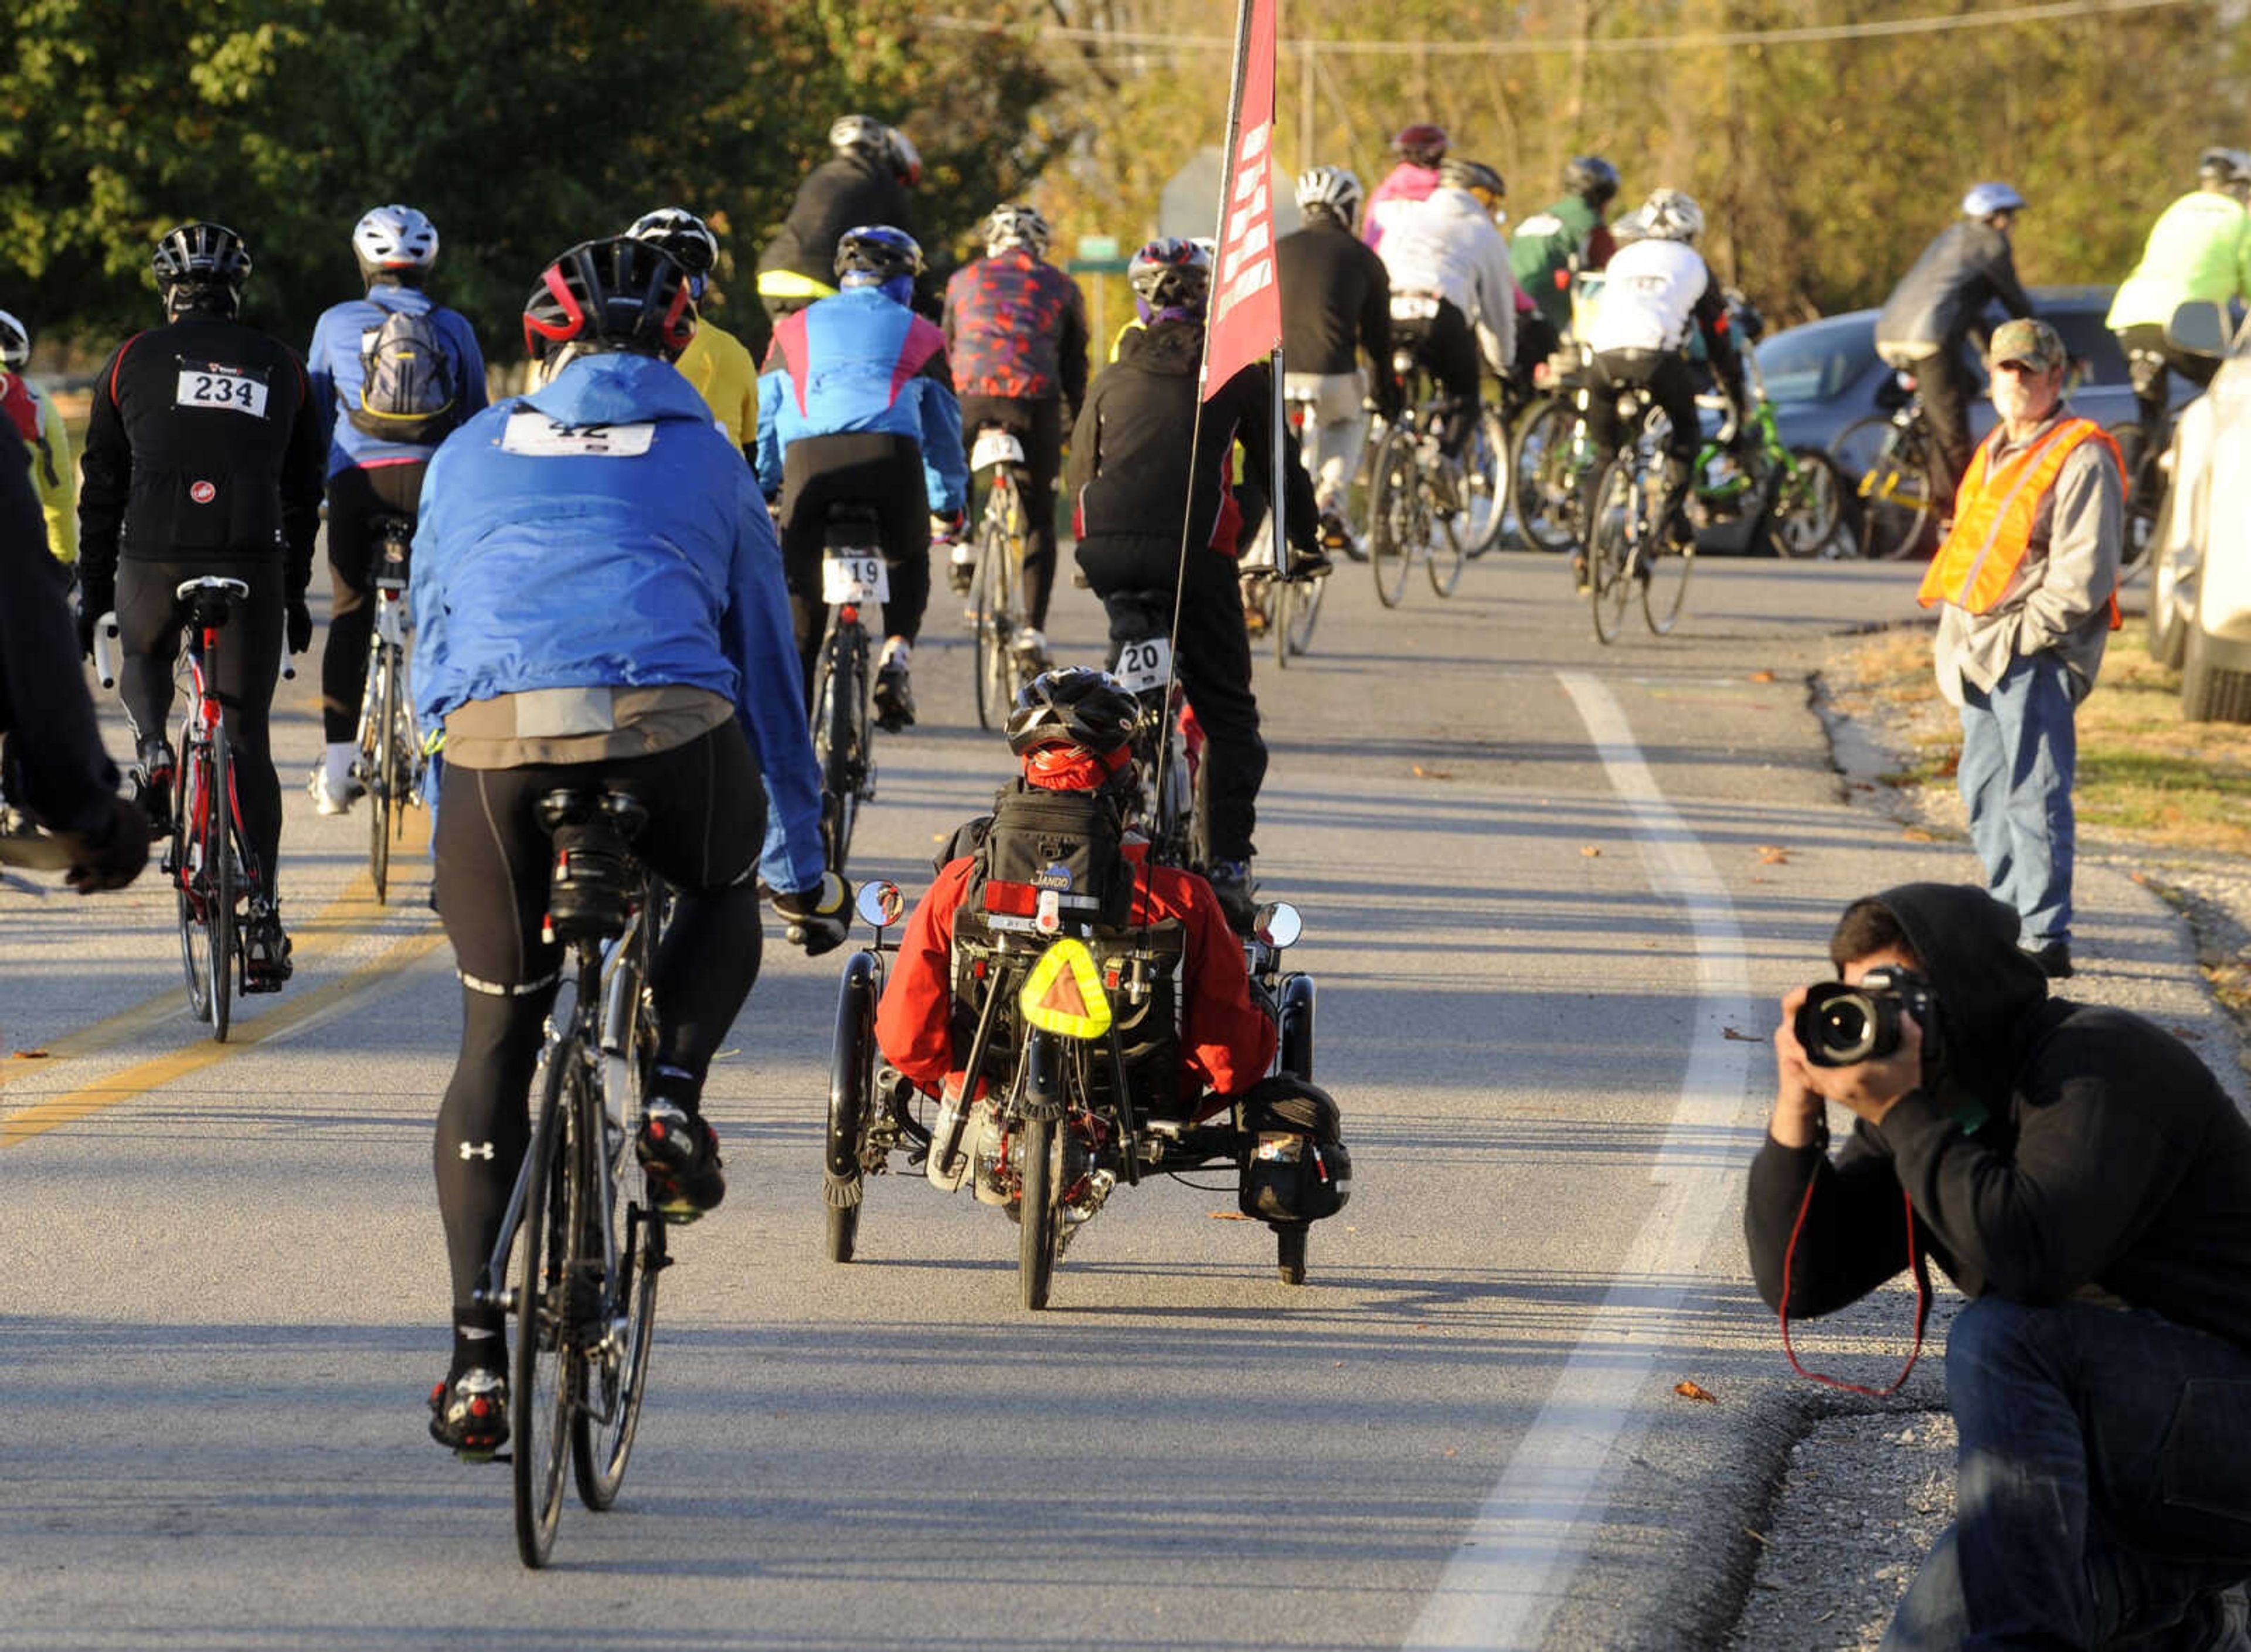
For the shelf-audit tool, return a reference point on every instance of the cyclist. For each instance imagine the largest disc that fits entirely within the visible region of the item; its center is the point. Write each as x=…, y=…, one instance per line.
x=1420, y=148
x=2199, y=248
x=1657, y=292
x=40, y=424
x=865, y=181
x=1453, y=294
x=601, y=605
x=1942, y=302
x=1336, y=306
x=1129, y=461
x=57, y=773
x=377, y=453
x=1015, y=332
x=714, y=361
x=1068, y=731
x=856, y=408
x=203, y=457
x=1560, y=240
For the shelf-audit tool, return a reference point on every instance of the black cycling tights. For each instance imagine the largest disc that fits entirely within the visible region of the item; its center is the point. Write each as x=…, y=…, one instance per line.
x=150, y=622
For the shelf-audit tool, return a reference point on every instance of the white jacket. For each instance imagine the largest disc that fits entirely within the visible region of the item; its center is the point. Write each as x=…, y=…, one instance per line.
x=1650, y=290
x=1449, y=244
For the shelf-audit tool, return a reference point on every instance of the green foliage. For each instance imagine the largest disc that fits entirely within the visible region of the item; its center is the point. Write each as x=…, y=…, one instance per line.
x=520, y=126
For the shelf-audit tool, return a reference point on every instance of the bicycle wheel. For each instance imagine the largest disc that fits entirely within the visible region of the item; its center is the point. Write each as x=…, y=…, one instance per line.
x=1486, y=471
x=1610, y=539
x=1449, y=551
x=1394, y=508
x=2146, y=491
x=1544, y=481
x=189, y=881
x=382, y=761
x=615, y=1375
x=836, y=742
x=220, y=941
x=1301, y=615
x=1809, y=506
x=989, y=614
x=1895, y=481
x=541, y=1393
x=1664, y=585
x=1037, y=1217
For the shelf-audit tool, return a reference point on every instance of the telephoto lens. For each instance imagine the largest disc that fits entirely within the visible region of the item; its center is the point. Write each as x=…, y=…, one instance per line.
x=1840, y=1025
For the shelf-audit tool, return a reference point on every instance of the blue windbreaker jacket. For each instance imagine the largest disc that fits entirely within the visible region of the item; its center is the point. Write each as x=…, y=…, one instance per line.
x=855, y=363
x=333, y=364
x=602, y=533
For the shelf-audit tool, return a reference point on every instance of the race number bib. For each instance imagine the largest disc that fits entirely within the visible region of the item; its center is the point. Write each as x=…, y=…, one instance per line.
x=1145, y=665
x=855, y=579
x=221, y=389
x=1540, y=223
x=537, y=436
x=1414, y=307
x=995, y=448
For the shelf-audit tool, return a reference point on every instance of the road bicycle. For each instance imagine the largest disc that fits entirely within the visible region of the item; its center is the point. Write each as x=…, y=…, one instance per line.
x=998, y=615
x=390, y=766
x=1796, y=494
x=854, y=576
x=1891, y=460
x=1551, y=457
x=586, y=1241
x=1420, y=501
x=1630, y=541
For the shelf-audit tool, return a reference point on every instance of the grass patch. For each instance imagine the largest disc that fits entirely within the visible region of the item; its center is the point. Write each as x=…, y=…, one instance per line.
x=2145, y=776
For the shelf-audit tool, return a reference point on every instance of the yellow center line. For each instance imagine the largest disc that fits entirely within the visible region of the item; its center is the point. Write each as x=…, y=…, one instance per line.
x=350, y=914
x=43, y=1116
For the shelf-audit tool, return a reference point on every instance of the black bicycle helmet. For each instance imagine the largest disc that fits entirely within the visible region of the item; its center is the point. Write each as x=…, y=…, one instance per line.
x=1474, y=176
x=1170, y=274
x=1423, y=144
x=1075, y=705
x=1592, y=179
x=2223, y=168
x=201, y=263
x=613, y=295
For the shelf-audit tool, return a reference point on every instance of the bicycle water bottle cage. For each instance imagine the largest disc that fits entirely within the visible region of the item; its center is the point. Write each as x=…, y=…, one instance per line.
x=592, y=881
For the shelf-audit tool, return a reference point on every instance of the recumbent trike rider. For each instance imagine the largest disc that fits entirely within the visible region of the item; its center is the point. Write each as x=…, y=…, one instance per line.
x=1065, y=1013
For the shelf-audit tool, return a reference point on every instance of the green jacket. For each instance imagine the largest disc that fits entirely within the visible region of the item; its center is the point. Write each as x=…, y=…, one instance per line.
x=2200, y=248
x=1548, y=243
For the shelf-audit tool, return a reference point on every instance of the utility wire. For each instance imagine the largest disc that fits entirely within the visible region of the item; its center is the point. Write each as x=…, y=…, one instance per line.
x=2007, y=17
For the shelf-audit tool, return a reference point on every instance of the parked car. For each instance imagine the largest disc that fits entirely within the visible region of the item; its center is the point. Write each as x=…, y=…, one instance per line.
x=2200, y=566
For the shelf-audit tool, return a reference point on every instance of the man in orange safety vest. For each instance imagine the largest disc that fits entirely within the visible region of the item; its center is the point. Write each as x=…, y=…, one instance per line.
x=2028, y=576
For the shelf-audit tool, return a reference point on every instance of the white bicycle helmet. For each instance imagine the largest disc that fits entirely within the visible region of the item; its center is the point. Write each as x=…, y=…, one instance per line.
x=1671, y=215
x=395, y=237
x=15, y=343
x=1016, y=224
x=1983, y=200
x=679, y=233
x=1333, y=189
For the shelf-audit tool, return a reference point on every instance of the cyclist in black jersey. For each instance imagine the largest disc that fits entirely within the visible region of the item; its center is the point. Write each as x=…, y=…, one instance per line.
x=204, y=457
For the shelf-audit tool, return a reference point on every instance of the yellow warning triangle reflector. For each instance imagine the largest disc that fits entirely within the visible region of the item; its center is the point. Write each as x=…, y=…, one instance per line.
x=1064, y=993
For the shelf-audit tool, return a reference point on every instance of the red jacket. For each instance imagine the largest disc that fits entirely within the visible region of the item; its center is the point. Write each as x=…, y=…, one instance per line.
x=1227, y=1041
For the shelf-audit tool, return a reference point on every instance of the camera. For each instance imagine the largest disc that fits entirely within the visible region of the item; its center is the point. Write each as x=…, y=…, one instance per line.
x=1841, y=1024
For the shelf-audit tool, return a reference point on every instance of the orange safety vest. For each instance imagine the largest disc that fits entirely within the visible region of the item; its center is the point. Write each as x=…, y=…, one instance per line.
x=1993, y=516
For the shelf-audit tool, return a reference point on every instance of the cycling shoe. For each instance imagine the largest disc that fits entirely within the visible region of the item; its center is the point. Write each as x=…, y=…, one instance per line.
x=468, y=1414
x=681, y=1154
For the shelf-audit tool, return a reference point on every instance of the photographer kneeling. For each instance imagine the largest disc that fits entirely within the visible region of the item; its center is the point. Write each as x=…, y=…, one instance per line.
x=2083, y=1178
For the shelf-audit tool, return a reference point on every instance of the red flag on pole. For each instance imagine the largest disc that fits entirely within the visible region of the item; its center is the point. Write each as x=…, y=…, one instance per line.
x=1246, y=321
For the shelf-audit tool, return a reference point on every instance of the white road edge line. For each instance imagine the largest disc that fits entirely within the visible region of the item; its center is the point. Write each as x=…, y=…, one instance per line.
x=1521, y=1552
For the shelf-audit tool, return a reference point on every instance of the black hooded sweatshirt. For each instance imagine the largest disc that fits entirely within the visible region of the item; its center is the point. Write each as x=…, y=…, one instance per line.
x=2108, y=1162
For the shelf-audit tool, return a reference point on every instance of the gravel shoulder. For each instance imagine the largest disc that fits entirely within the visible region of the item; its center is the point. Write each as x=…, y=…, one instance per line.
x=1867, y=1485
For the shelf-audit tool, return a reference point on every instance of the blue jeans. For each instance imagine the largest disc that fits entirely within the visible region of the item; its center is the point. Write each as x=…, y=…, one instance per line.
x=2103, y=1487
x=2019, y=752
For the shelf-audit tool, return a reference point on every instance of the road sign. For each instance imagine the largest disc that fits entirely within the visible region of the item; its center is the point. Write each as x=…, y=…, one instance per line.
x=1092, y=248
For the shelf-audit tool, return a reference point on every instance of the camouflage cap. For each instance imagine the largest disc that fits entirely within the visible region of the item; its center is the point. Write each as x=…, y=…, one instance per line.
x=2031, y=341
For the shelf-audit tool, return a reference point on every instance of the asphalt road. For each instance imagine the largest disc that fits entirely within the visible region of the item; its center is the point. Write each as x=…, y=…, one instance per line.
x=1552, y=892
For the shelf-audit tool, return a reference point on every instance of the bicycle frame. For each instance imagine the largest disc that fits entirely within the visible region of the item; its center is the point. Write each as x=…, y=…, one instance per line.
x=203, y=720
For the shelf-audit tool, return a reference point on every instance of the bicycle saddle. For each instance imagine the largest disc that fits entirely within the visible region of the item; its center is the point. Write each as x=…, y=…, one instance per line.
x=209, y=597
x=585, y=805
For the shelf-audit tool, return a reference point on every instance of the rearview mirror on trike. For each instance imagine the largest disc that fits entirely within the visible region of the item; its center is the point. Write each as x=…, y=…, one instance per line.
x=1279, y=924
x=881, y=903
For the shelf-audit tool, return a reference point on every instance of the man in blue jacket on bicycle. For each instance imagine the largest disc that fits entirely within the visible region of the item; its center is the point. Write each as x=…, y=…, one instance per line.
x=600, y=603
x=856, y=407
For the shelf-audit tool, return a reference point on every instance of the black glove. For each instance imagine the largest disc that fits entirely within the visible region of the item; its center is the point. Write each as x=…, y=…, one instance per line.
x=301, y=624
x=114, y=856
x=819, y=917
x=94, y=602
